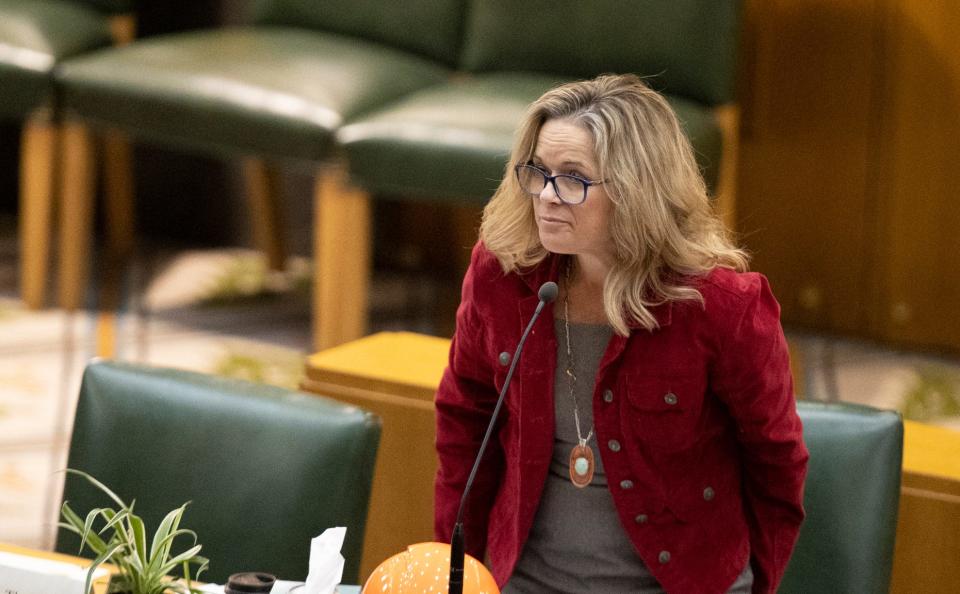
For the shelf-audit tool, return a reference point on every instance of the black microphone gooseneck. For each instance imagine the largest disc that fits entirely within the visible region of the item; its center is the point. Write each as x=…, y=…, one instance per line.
x=547, y=293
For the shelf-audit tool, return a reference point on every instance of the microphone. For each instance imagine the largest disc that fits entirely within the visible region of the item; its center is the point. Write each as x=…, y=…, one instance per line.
x=547, y=293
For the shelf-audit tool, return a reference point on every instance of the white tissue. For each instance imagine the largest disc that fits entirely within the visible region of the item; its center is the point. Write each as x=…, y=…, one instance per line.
x=28, y=574
x=326, y=562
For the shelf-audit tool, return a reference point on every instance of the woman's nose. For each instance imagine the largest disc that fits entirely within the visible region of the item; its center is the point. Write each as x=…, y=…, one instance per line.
x=549, y=193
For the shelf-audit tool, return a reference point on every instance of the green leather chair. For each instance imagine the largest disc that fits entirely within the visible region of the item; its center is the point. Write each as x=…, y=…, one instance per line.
x=273, y=93
x=452, y=141
x=266, y=469
x=35, y=37
x=851, y=499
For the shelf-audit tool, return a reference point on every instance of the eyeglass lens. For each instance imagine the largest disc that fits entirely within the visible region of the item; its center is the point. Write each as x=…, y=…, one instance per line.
x=569, y=188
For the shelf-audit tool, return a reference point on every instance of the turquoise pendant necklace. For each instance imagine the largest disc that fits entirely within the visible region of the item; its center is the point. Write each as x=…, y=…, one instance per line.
x=581, y=456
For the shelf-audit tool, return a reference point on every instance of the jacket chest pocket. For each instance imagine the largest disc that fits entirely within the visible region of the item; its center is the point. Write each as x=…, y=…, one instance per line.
x=663, y=412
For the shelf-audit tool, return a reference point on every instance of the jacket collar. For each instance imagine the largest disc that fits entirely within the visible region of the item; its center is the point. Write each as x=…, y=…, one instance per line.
x=549, y=270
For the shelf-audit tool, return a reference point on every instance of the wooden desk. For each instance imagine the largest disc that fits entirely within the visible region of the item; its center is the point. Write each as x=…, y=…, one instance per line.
x=927, y=555
x=396, y=375
x=100, y=586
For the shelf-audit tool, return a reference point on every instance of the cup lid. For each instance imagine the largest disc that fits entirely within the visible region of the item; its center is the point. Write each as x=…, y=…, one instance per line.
x=251, y=581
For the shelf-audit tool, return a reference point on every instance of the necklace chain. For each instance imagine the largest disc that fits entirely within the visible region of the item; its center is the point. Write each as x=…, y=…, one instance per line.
x=571, y=378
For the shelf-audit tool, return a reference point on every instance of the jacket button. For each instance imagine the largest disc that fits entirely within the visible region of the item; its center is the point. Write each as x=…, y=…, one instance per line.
x=626, y=484
x=708, y=493
x=608, y=396
x=614, y=445
x=670, y=398
x=641, y=519
x=664, y=557
x=504, y=358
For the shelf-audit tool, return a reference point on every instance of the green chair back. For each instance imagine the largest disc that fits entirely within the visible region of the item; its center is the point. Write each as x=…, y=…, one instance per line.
x=688, y=47
x=265, y=469
x=852, y=496
x=37, y=36
x=110, y=6
x=431, y=28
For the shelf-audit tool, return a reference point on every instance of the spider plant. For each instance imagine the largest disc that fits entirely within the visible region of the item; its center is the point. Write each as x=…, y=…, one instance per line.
x=122, y=541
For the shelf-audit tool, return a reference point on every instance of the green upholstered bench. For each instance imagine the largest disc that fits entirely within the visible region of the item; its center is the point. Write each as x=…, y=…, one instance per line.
x=416, y=99
x=265, y=469
x=35, y=37
x=272, y=92
x=452, y=140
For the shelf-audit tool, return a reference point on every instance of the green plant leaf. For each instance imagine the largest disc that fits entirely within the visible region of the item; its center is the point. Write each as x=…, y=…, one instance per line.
x=88, y=525
x=99, y=485
x=184, y=556
x=96, y=544
x=163, y=530
x=203, y=562
x=101, y=558
x=163, y=548
x=139, y=537
x=167, y=543
x=115, y=520
x=125, y=544
x=111, y=517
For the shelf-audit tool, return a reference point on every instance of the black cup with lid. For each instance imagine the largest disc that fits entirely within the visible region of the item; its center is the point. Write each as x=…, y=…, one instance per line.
x=250, y=582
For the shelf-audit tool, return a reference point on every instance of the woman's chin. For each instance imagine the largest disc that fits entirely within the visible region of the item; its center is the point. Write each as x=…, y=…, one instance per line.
x=553, y=244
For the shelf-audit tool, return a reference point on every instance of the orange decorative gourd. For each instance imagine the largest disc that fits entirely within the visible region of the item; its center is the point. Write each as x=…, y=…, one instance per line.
x=424, y=568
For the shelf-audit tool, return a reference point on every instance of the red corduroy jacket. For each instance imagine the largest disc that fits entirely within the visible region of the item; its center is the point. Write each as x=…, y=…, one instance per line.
x=711, y=462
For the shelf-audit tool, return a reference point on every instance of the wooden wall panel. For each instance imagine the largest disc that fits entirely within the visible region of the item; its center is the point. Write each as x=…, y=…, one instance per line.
x=919, y=176
x=807, y=83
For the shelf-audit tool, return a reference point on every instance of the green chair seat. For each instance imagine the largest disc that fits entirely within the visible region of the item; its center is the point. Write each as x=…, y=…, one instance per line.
x=851, y=497
x=34, y=36
x=265, y=469
x=277, y=91
x=453, y=140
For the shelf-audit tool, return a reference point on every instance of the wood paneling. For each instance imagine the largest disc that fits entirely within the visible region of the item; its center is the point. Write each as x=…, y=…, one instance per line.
x=849, y=164
x=919, y=174
x=805, y=137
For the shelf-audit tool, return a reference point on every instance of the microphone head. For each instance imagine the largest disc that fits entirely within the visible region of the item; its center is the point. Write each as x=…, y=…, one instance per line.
x=548, y=291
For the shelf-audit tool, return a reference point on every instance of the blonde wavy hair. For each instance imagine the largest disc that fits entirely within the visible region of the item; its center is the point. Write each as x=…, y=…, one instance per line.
x=663, y=226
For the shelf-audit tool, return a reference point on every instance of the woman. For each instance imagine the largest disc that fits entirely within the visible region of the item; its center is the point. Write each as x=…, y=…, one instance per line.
x=649, y=440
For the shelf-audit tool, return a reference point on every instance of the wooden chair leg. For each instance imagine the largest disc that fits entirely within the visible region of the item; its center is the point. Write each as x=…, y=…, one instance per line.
x=123, y=29
x=77, y=185
x=728, y=117
x=263, y=195
x=119, y=214
x=38, y=159
x=342, y=254
x=119, y=228
x=466, y=230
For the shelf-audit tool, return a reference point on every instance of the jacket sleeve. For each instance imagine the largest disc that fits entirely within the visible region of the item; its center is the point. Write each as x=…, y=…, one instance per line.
x=464, y=404
x=752, y=376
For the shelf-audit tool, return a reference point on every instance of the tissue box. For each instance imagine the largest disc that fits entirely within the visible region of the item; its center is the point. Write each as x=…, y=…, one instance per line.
x=24, y=574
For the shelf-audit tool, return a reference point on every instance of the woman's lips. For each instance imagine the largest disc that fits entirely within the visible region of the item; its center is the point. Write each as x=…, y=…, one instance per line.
x=553, y=221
